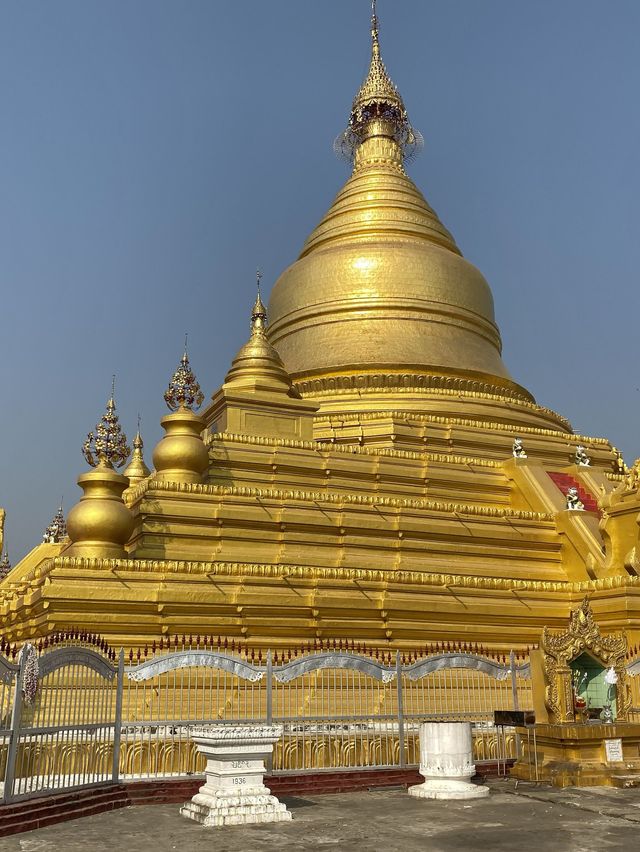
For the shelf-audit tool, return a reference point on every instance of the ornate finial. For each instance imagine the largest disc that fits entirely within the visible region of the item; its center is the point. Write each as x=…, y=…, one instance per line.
x=108, y=445
x=378, y=108
x=5, y=566
x=57, y=529
x=259, y=312
x=184, y=390
x=137, y=441
x=374, y=28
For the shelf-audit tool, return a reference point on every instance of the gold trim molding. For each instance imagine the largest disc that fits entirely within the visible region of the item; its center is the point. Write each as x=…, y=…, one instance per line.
x=420, y=381
x=155, y=485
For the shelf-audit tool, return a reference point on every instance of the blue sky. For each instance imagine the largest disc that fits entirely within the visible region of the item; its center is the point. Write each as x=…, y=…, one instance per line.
x=153, y=153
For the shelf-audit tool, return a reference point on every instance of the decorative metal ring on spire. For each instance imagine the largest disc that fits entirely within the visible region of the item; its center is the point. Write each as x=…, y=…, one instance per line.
x=108, y=444
x=184, y=390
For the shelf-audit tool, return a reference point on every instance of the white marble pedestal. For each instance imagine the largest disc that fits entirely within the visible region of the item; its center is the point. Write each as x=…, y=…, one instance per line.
x=234, y=793
x=446, y=762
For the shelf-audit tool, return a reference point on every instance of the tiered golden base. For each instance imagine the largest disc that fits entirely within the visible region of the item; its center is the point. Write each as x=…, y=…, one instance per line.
x=574, y=755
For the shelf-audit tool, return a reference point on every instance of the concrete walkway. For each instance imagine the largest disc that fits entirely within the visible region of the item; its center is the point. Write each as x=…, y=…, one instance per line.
x=525, y=818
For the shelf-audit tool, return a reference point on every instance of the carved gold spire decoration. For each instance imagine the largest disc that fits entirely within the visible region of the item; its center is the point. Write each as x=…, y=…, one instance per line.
x=184, y=390
x=378, y=110
x=137, y=470
x=181, y=455
x=108, y=444
x=57, y=529
x=100, y=524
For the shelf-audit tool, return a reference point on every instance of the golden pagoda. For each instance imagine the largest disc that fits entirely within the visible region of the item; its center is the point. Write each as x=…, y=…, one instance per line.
x=368, y=469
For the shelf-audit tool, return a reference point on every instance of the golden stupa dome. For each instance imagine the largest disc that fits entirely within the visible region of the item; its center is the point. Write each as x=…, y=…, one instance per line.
x=380, y=290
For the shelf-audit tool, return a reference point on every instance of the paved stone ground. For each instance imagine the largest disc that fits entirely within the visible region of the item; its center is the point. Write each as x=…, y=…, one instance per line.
x=515, y=817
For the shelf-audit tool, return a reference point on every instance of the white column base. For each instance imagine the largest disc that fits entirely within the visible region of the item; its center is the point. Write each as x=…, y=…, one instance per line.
x=212, y=807
x=446, y=762
x=234, y=792
x=442, y=788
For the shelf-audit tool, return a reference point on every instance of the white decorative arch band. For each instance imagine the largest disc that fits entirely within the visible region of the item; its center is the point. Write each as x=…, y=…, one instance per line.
x=189, y=659
x=314, y=662
x=51, y=661
x=7, y=670
x=499, y=671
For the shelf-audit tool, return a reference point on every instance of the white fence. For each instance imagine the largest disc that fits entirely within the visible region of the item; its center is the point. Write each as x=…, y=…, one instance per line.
x=94, y=720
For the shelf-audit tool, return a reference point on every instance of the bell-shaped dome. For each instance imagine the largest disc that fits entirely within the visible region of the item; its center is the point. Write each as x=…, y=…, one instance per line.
x=380, y=284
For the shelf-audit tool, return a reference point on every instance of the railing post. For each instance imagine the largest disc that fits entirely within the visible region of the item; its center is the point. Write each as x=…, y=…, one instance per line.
x=269, y=676
x=269, y=688
x=403, y=756
x=117, y=723
x=514, y=681
x=14, y=742
x=514, y=693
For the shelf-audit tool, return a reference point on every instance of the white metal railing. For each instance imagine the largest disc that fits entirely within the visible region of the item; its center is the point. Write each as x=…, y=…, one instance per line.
x=94, y=720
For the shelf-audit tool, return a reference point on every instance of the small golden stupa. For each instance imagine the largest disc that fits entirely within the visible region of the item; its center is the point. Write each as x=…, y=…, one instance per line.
x=368, y=470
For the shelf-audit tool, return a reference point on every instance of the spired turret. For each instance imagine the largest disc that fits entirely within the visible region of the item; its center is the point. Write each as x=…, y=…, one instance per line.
x=257, y=397
x=137, y=470
x=181, y=455
x=381, y=295
x=100, y=524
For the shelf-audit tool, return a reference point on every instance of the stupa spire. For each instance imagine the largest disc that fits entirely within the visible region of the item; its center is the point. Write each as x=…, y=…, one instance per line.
x=378, y=111
x=259, y=312
x=137, y=470
x=257, y=362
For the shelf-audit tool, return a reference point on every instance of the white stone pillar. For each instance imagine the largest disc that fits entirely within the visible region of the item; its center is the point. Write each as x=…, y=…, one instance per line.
x=234, y=792
x=446, y=762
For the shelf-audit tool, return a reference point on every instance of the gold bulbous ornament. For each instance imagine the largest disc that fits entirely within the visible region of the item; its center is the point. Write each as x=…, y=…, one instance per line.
x=181, y=455
x=100, y=524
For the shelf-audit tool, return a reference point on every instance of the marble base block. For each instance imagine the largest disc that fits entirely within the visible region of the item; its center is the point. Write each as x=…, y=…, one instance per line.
x=446, y=762
x=234, y=793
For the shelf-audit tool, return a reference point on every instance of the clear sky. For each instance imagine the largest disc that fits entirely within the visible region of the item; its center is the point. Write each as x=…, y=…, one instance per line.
x=153, y=153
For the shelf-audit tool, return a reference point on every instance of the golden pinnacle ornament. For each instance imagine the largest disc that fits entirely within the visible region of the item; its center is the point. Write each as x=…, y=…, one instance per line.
x=107, y=446
x=184, y=390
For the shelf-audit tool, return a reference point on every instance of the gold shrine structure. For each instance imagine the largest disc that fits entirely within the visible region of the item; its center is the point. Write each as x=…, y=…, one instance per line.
x=368, y=470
